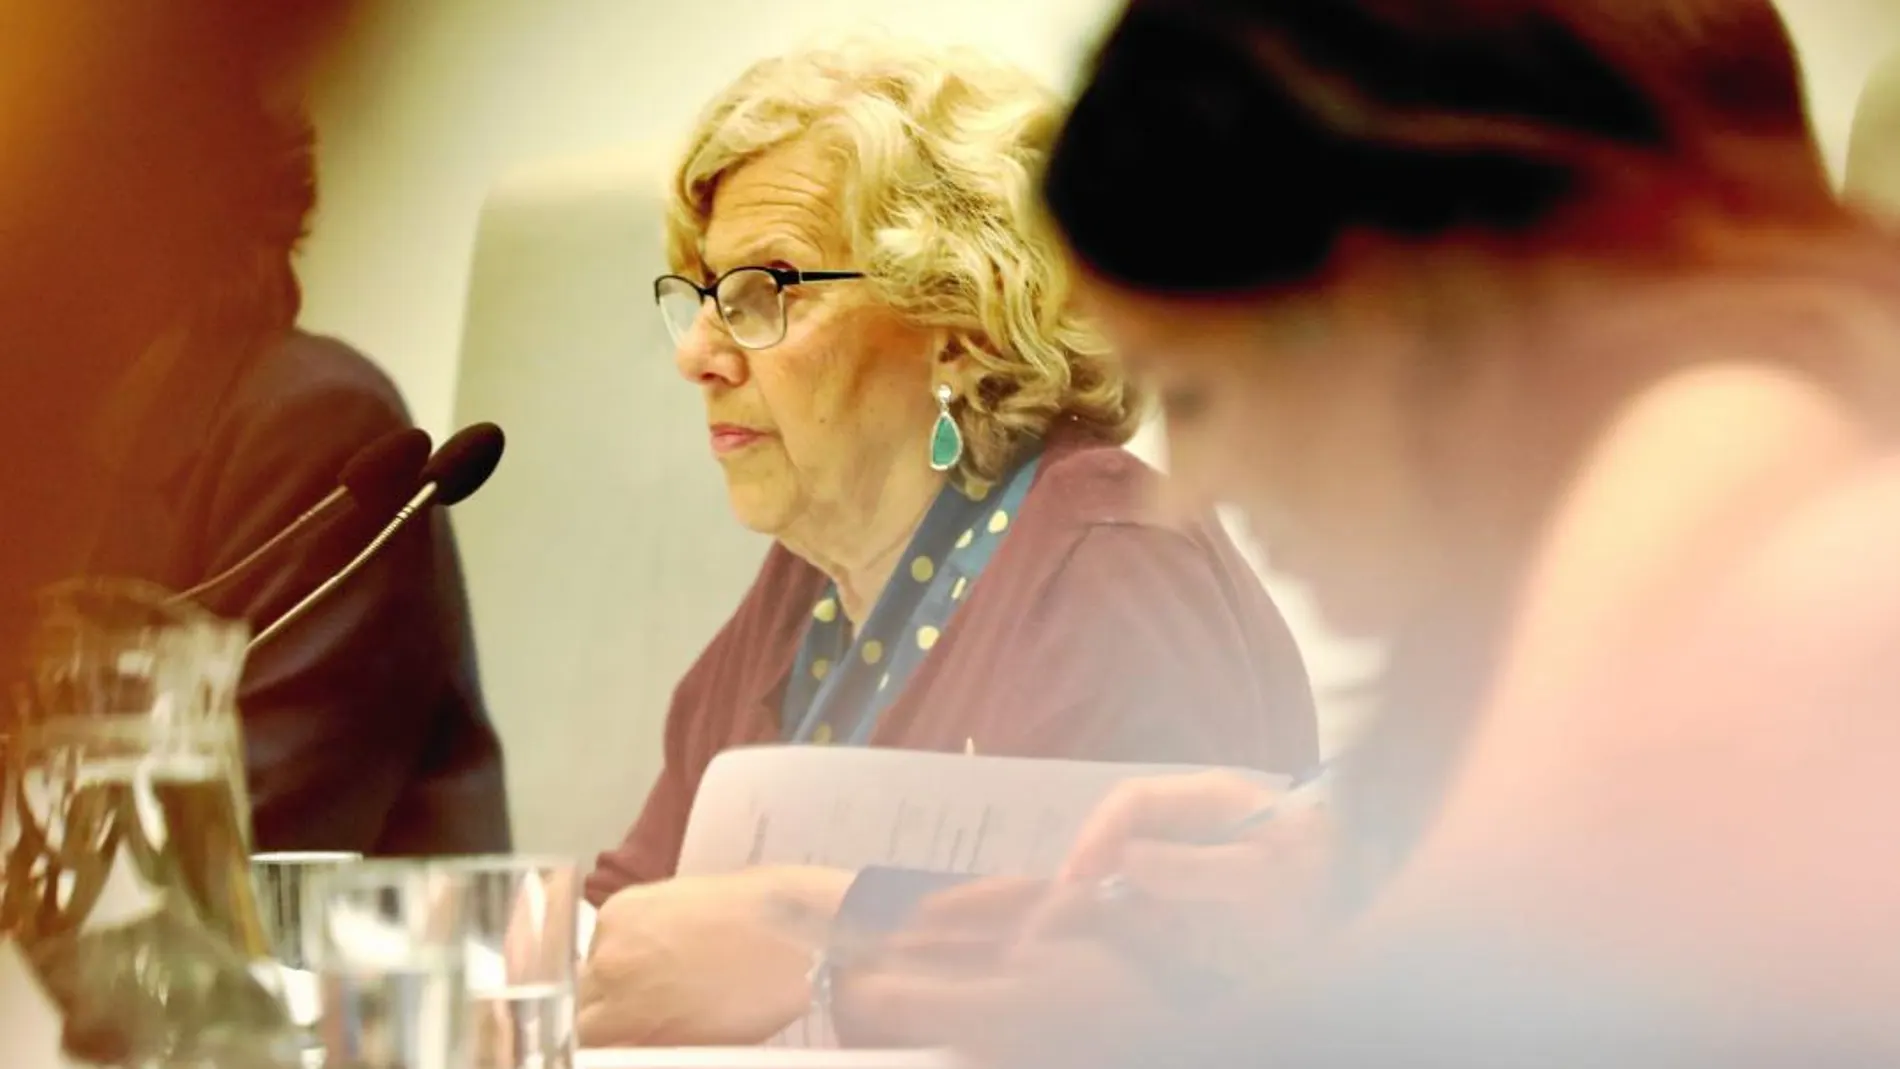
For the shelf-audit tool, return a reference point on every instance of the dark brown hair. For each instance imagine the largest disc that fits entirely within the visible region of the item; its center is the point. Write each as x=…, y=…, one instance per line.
x=1298, y=120
x=182, y=166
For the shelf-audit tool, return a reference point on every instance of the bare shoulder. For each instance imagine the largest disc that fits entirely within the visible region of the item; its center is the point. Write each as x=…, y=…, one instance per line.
x=1709, y=444
x=1829, y=569
x=1707, y=538
x=1685, y=476
x=1716, y=800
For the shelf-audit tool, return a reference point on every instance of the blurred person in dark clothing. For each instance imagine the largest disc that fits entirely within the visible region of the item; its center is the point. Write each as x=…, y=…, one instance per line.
x=1543, y=349
x=162, y=416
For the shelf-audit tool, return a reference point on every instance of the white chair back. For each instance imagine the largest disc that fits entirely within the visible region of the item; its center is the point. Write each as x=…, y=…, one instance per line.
x=604, y=555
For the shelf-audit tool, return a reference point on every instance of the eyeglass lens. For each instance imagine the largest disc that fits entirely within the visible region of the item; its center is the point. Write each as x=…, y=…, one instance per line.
x=749, y=304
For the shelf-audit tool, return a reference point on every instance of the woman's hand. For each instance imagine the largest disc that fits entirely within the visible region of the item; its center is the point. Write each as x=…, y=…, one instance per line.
x=1001, y=968
x=1189, y=884
x=1045, y=1002
x=703, y=960
x=1166, y=836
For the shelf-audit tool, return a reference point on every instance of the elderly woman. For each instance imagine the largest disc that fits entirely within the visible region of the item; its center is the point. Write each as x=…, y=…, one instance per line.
x=900, y=393
x=1552, y=360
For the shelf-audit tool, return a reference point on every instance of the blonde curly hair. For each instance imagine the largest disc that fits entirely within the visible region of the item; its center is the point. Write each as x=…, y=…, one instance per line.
x=941, y=152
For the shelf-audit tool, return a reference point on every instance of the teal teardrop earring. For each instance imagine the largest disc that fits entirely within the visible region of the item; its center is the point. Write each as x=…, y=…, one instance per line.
x=946, y=438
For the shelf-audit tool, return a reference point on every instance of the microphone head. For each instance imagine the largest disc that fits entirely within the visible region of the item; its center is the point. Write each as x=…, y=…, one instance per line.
x=464, y=462
x=385, y=472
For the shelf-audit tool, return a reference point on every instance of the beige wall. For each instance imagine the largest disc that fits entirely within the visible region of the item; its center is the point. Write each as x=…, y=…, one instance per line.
x=1840, y=42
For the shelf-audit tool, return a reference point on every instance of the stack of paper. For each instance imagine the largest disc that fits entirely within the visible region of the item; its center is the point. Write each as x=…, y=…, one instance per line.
x=854, y=807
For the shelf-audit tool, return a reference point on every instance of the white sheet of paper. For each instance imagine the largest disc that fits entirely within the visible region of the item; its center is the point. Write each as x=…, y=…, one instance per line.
x=760, y=1058
x=852, y=807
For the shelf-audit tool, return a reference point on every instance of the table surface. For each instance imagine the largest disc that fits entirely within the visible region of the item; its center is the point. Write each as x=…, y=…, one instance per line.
x=760, y=1058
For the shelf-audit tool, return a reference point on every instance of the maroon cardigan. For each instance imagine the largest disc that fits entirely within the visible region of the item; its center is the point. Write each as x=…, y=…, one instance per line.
x=1093, y=633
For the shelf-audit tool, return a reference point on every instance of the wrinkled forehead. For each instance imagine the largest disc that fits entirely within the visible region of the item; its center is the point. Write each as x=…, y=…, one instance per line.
x=782, y=207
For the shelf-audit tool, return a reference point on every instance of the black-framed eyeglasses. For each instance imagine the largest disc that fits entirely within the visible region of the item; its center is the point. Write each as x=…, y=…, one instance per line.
x=750, y=301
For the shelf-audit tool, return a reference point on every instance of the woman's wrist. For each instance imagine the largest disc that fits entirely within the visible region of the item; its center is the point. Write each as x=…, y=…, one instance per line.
x=806, y=901
x=802, y=900
x=816, y=888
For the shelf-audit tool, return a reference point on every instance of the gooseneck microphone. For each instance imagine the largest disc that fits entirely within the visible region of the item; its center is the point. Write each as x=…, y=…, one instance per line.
x=374, y=482
x=456, y=470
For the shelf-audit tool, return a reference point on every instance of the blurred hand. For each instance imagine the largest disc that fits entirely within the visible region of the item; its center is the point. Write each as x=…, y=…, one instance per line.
x=1155, y=833
x=1197, y=894
x=961, y=974
x=993, y=909
x=703, y=960
x=966, y=929
x=1048, y=1002
x=1019, y=967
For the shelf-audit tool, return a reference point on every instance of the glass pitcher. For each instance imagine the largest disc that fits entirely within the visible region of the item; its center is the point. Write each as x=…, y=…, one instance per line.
x=127, y=834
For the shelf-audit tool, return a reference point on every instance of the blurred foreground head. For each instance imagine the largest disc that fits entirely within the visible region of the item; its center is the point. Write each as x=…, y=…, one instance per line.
x=1318, y=220
x=1308, y=120
x=147, y=151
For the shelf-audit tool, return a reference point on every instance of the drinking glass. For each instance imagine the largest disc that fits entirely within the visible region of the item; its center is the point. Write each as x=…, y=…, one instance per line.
x=281, y=879
x=521, y=959
x=387, y=940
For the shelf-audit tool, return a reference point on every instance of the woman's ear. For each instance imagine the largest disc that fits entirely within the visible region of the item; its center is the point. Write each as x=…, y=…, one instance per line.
x=949, y=347
x=959, y=363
